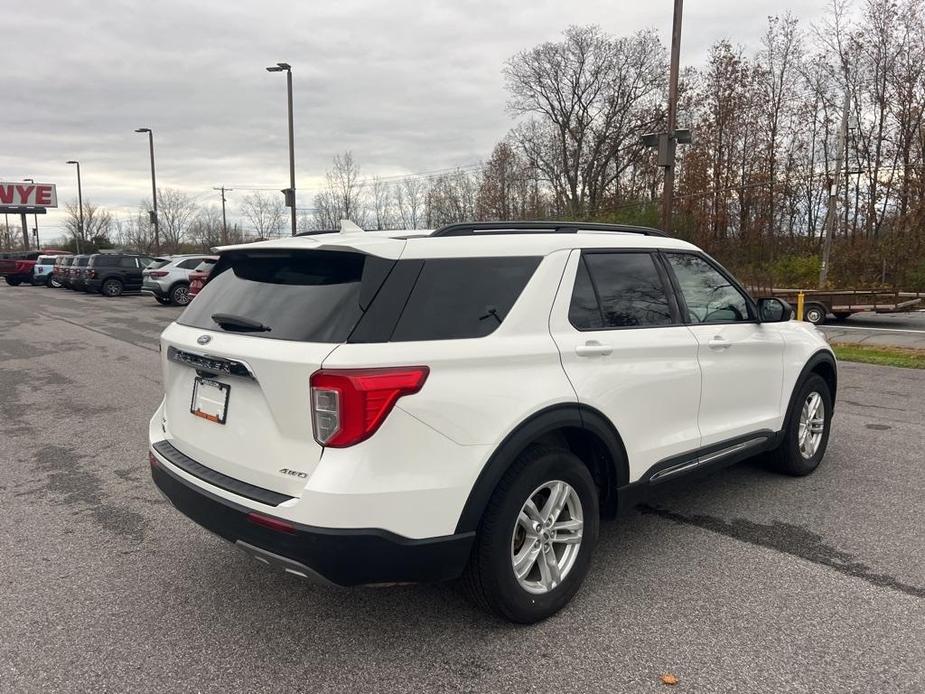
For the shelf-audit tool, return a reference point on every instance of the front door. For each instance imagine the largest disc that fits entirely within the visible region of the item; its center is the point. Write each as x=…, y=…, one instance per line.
x=741, y=360
x=627, y=353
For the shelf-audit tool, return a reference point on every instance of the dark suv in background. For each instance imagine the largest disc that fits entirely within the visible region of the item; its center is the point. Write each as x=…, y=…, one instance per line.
x=111, y=274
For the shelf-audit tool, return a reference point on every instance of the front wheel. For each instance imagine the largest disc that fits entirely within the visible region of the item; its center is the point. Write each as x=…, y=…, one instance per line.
x=534, y=543
x=807, y=433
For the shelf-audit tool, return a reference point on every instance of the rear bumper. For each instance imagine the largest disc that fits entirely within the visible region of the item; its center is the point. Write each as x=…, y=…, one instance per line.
x=345, y=557
x=91, y=285
x=153, y=288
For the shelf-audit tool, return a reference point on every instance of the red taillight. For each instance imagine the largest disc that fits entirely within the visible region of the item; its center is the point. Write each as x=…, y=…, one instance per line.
x=349, y=405
x=277, y=524
x=157, y=273
x=151, y=459
x=91, y=274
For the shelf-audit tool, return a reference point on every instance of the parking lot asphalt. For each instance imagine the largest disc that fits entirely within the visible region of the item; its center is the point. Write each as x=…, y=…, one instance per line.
x=743, y=582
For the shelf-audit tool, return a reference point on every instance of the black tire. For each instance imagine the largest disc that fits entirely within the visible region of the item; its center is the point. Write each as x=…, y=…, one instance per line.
x=53, y=283
x=179, y=294
x=112, y=287
x=842, y=316
x=163, y=300
x=787, y=457
x=814, y=313
x=13, y=281
x=489, y=578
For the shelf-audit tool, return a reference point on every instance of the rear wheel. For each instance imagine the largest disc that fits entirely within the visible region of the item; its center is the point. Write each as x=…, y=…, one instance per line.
x=179, y=294
x=814, y=313
x=13, y=281
x=111, y=287
x=842, y=316
x=807, y=433
x=52, y=282
x=535, y=540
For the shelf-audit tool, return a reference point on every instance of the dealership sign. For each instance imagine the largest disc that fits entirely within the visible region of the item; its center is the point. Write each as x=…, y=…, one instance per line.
x=28, y=194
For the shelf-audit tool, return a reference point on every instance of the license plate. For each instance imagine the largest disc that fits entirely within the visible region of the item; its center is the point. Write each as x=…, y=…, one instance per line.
x=210, y=400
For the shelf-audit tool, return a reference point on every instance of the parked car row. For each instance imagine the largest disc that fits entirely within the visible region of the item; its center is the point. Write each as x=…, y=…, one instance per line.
x=170, y=280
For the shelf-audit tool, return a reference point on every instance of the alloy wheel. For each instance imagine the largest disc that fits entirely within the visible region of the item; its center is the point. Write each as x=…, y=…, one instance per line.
x=812, y=425
x=547, y=537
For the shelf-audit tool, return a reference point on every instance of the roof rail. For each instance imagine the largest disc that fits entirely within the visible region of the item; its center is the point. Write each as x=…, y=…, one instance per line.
x=539, y=227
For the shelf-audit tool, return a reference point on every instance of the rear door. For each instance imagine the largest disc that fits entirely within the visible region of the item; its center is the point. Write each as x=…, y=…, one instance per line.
x=741, y=360
x=250, y=343
x=627, y=353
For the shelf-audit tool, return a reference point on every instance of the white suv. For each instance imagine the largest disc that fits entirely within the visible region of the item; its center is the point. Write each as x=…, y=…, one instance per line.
x=371, y=409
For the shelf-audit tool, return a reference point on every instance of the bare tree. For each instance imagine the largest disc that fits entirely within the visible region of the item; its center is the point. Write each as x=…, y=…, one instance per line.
x=593, y=95
x=98, y=223
x=383, y=204
x=176, y=212
x=411, y=201
x=342, y=196
x=265, y=214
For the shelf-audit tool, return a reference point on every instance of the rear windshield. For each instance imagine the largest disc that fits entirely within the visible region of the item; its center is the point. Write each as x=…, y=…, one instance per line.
x=157, y=264
x=306, y=296
x=81, y=262
x=205, y=265
x=328, y=296
x=45, y=260
x=66, y=261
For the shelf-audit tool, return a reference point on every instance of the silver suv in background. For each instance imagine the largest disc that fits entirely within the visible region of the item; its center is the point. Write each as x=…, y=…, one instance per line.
x=168, y=280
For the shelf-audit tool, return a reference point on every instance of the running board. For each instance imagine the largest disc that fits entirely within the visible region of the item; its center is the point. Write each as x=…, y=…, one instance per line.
x=702, y=460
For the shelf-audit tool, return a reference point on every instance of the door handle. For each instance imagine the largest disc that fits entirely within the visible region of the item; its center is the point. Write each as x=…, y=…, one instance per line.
x=593, y=348
x=719, y=342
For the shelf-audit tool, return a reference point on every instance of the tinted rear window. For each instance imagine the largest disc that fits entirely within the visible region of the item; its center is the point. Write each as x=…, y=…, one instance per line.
x=457, y=298
x=310, y=296
x=158, y=264
x=80, y=262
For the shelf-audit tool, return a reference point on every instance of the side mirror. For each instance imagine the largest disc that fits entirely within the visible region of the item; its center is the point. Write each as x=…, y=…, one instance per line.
x=773, y=310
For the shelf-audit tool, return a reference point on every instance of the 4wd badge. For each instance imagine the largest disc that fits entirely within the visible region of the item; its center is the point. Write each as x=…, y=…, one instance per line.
x=293, y=473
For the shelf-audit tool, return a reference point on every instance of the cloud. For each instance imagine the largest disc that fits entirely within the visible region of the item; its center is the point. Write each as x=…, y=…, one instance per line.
x=406, y=85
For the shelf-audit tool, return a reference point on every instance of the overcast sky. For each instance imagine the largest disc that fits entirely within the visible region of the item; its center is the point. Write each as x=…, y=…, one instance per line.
x=408, y=86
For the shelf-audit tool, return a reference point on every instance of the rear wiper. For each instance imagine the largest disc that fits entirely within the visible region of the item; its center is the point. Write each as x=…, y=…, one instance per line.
x=233, y=322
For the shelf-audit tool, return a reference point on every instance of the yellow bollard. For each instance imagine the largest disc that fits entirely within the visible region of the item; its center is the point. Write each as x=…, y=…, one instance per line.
x=800, y=297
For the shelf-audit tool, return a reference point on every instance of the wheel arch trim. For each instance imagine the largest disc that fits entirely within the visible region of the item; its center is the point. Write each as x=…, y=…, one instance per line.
x=546, y=421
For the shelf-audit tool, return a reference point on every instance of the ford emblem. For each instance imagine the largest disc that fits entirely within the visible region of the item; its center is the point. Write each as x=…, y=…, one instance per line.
x=204, y=339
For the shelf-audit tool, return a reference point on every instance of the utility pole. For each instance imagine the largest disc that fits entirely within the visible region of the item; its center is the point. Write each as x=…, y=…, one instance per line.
x=834, y=183
x=666, y=143
x=668, y=191
x=224, y=220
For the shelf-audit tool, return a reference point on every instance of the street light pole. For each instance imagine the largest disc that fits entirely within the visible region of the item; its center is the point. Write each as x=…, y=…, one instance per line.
x=290, y=195
x=35, y=217
x=157, y=236
x=80, y=205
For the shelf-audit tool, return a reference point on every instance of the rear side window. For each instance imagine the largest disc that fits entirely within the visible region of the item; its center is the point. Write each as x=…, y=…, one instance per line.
x=626, y=289
x=457, y=298
x=309, y=296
